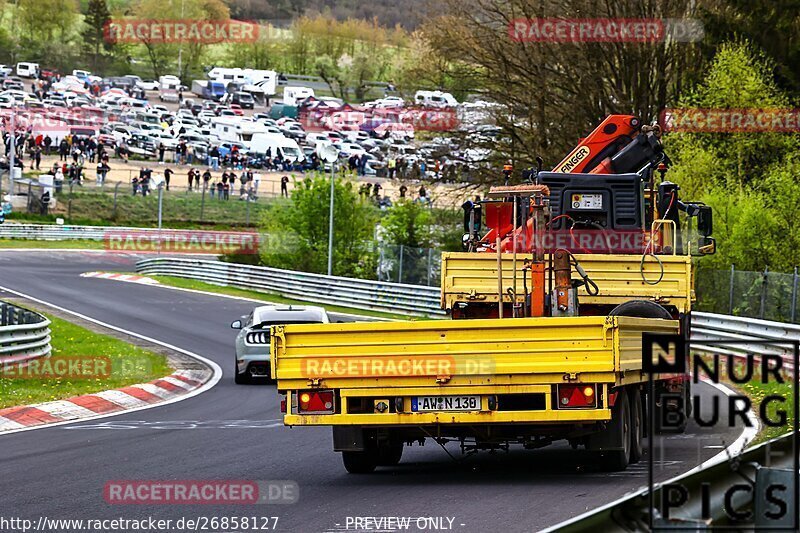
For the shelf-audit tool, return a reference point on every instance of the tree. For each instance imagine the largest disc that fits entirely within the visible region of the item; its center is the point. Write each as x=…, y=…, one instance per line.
x=94, y=35
x=555, y=93
x=163, y=55
x=408, y=223
x=297, y=230
x=748, y=179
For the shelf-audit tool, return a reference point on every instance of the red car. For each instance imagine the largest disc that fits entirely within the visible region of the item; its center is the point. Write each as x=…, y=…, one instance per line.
x=236, y=108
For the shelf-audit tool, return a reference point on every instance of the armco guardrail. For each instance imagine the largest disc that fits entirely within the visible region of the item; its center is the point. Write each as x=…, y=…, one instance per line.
x=415, y=300
x=56, y=232
x=772, y=338
x=24, y=334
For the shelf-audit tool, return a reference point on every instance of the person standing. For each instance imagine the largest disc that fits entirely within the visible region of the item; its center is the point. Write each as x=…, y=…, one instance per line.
x=190, y=178
x=47, y=142
x=63, y=150
x=102, y=171
x=285, y=186
x=161, y=150
x=403, y=190
x=207, y=179
x=167, y=175
x=37, y=156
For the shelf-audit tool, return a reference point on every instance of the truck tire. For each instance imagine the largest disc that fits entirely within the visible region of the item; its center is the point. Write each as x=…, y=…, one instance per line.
x=614, y=441
x=363, y=462
x=637, y=424
x=240, y=379
x=390, y=453
x=641, y=309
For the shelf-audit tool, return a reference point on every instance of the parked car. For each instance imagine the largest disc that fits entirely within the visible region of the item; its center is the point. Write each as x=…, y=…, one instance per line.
x=253, y=341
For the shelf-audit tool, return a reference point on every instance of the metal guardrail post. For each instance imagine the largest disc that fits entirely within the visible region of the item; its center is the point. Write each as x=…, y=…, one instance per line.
x=400, y=268
x=116, y=192
x=764, y=282
x=794, y=294
x=430, y=253
x=730, y=291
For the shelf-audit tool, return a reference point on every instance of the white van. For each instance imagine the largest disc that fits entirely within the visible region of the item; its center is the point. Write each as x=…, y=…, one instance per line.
x=27, y=70
x=237, y=129
x=276, y=144
x=295, y=95
x=435, y=99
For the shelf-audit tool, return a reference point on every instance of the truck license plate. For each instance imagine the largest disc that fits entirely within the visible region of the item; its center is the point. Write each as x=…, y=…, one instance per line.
x=587, y=201
x=445, y=403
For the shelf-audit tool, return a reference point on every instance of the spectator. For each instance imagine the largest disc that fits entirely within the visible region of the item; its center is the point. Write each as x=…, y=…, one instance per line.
x=135, y=184
x=191, y=178
x=207, y=179
x=285, y=186
x=47, y=142
x=102, y=172
x=226, y=189
x=403, y=190
x=63, y=150
x=167, y=175
x=220, y=188
x=362, y=165
x=161, y=149
x=37, y=157
x=214, y=155
x=145, y=181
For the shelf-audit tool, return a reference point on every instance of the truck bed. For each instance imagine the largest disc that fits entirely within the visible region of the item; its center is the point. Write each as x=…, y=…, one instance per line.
x=479, y=357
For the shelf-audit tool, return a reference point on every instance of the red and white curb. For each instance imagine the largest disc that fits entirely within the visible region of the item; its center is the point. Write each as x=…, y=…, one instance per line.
x=136, y=396
x=132, y=278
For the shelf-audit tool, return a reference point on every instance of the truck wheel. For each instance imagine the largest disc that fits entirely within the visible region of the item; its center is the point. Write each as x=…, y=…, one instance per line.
x=637, y=425
x=362, y=462
x=641, y=309
x=240, y=379
x=614, y=442
x=390, y=454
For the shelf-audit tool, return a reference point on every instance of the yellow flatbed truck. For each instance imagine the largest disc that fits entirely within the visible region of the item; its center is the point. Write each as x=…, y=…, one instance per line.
x=549, y=309
x=483, y=382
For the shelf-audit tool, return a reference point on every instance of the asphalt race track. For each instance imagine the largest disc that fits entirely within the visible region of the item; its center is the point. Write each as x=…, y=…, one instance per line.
x=234, y=433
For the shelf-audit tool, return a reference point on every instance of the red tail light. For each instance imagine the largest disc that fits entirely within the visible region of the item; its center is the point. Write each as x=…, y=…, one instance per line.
x=316, y=402
x=577, y=396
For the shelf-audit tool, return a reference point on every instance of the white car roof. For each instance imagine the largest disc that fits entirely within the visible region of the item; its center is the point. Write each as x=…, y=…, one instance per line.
x=289, y=313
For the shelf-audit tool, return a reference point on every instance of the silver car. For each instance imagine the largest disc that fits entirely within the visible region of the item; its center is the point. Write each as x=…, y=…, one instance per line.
x=252, y=342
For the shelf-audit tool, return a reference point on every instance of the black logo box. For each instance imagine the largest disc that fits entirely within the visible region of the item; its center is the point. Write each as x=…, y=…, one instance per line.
x=671, y=350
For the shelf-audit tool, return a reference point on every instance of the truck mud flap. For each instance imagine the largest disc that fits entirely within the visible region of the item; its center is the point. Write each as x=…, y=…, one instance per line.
x=353, y=439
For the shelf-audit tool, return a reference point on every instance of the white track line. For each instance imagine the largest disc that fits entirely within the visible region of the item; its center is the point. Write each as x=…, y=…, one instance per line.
x=747, y=435
x=217, y=371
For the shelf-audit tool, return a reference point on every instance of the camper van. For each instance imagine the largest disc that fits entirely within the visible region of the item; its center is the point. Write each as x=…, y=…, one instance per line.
x=273, y=144
x=168, y=88
x=294, y=95
x=236, y=129
x=28, y=70
x=435, y=99
x=265, y=79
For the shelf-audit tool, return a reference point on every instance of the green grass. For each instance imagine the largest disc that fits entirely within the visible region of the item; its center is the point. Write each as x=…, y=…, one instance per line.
x=128, y=365
x=179, y=210
x=269, y=297
x=78, y=245
x=757, y=391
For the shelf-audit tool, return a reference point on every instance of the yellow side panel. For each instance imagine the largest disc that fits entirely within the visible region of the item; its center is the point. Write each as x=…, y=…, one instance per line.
x=472, y=277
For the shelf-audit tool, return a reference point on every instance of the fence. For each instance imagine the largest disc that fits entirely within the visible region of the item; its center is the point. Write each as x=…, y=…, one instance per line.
x=24, y=334
x=411, y=300
x=765, y=295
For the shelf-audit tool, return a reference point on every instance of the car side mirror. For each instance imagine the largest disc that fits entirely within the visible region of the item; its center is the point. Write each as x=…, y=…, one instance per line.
x=705, y=223
x=236, y=324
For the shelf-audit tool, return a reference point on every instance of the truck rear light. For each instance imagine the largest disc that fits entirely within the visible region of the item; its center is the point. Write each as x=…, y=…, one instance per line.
x=316, y=402
x=283, y=405
x=575, y=396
